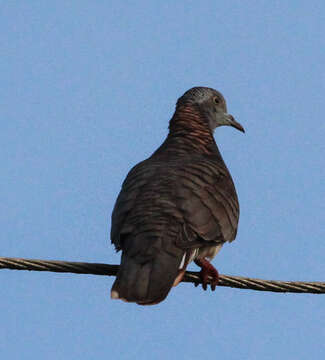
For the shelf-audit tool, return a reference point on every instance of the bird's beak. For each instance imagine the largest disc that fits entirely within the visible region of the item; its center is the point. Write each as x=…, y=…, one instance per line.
x=232, y=122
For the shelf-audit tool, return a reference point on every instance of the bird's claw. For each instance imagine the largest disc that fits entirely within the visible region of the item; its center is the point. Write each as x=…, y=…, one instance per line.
x=208, y=274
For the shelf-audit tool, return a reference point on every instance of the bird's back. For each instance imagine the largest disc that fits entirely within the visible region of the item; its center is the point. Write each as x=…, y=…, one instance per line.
x=169, y=204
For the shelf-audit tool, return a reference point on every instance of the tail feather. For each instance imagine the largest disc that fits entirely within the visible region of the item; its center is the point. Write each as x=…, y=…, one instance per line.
x=146, y=277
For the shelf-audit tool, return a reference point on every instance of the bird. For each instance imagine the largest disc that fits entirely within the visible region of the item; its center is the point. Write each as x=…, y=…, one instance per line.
x=179, y=205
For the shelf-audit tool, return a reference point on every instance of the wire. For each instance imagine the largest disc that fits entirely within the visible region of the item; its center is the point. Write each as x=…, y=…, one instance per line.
x=190, y=276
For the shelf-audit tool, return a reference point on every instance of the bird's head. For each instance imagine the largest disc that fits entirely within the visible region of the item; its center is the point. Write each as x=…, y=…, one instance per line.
x=212, y=104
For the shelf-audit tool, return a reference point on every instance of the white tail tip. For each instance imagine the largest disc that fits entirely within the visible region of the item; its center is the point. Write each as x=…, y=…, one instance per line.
x=114, y=294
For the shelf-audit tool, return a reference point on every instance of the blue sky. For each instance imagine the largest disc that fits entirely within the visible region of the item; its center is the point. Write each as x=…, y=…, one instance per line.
x=87, y=90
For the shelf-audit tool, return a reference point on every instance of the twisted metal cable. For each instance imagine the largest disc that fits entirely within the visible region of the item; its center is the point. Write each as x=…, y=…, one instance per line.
x=190, y=276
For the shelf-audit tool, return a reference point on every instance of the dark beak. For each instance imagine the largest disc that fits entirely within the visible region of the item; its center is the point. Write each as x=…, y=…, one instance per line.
x=235, y=124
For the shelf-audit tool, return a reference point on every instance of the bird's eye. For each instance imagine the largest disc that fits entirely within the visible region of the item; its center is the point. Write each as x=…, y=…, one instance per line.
x=217, y=100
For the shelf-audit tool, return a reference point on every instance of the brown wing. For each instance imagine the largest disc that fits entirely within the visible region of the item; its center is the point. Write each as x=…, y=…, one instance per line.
x=207, y=199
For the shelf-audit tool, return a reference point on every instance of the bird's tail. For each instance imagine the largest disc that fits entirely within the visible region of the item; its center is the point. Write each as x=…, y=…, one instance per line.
x=149, y=267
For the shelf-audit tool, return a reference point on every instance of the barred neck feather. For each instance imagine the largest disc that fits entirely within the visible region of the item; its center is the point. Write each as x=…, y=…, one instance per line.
x=188, y=132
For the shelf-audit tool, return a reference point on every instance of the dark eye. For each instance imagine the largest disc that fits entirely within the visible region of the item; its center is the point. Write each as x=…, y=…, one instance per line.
x=217, y=100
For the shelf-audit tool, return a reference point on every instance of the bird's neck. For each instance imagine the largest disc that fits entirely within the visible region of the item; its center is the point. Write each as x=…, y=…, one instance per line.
x=189, y=132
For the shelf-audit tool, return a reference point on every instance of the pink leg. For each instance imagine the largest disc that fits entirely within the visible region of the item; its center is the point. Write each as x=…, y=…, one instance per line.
x=207, y=270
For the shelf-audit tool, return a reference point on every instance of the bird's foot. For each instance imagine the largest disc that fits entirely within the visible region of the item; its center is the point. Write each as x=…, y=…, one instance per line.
x=207, y=270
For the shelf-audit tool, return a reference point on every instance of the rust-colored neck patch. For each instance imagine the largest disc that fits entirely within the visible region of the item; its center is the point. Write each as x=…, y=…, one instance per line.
x=189, y=126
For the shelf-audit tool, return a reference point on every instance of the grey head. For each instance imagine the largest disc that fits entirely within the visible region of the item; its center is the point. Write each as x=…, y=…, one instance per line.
x=212, y=104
